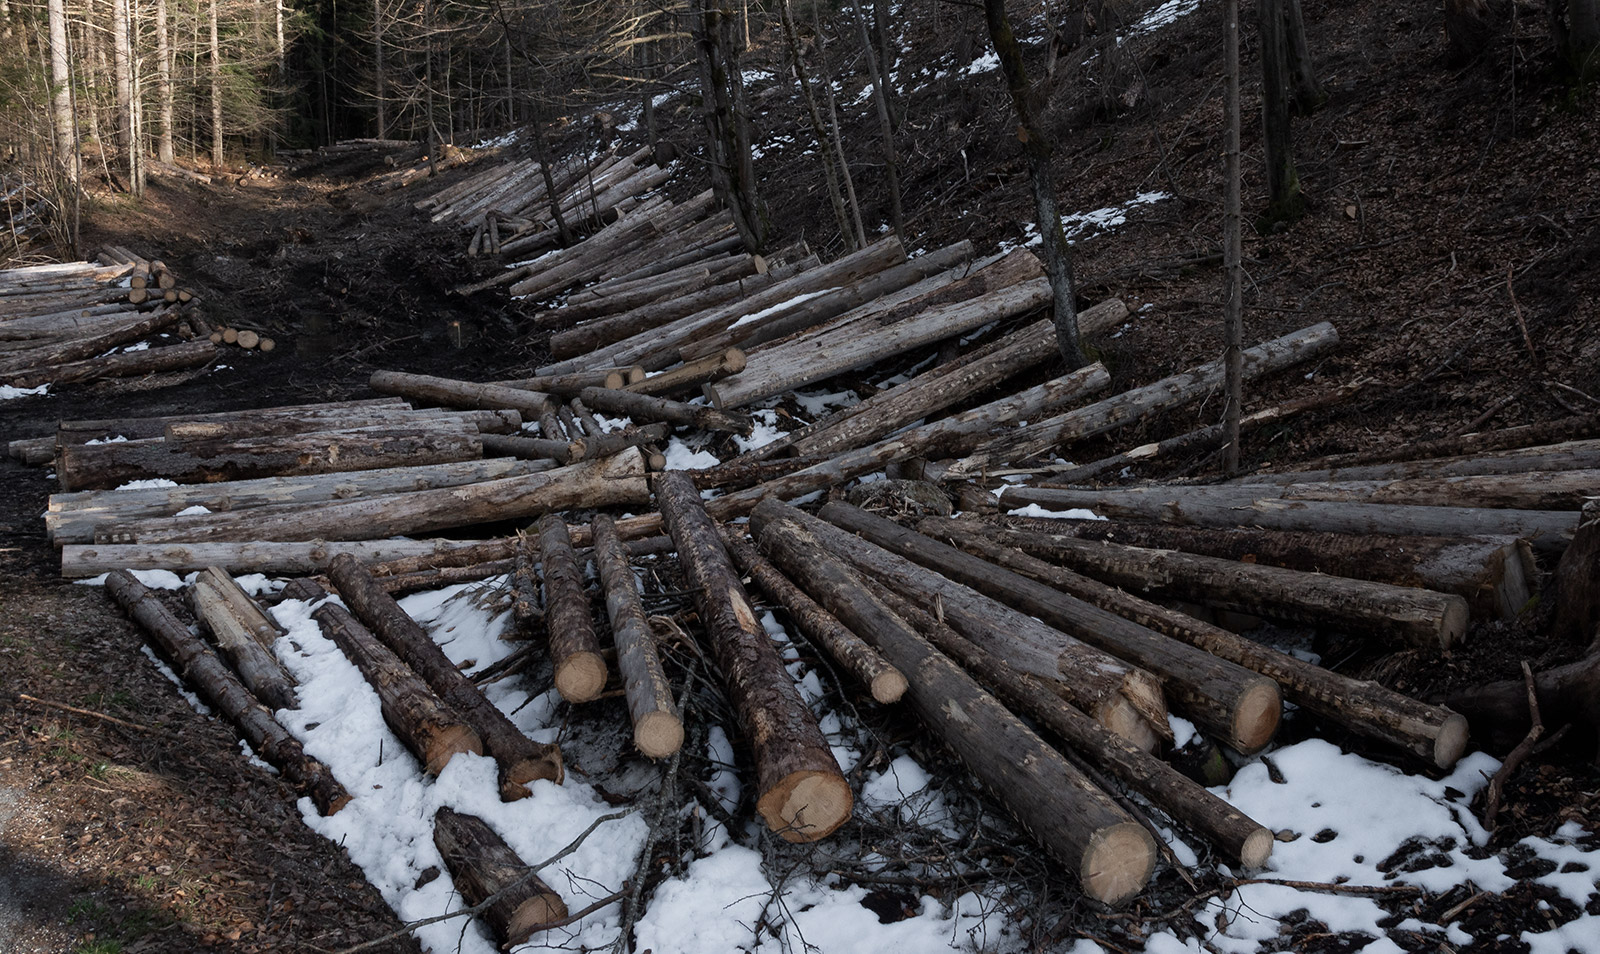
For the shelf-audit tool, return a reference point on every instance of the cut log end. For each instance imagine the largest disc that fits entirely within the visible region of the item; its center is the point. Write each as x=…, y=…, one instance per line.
x=532, y=915
x=581, y=676
x=1117, y=864
x=658, y=735
x=518, y=776
x=1257, y=849
x=1453, y=622
x=1121, y=717
x=807, y=805
x=615, y=380
x=888, y=686
x=1451, y=742
x=449, y=741
x=1256, y=716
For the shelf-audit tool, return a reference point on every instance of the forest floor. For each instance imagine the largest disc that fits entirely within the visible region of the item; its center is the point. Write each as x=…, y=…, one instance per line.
x=1452, y=236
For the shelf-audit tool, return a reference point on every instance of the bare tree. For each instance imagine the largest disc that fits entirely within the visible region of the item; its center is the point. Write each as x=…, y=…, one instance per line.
x=727, y=125
x=61, y=91
x=1232, y=240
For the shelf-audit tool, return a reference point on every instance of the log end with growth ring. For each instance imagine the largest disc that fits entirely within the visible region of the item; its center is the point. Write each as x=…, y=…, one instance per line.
x=1451, y=741
x=1257, y=848
x=888, y=686
x=1453, y=622
x=1121, y=717
x=516, y=778
x=1256, y=715
x=532, y=915
x=581, y=676
x=446, y=743
x=658, y=735
x=807, y=805
x=1117, y=863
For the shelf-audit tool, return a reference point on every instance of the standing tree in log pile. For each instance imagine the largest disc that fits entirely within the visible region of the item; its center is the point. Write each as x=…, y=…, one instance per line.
x=1233, y=282
x=1057, y=259
x=1288, y=85
x=726, y=119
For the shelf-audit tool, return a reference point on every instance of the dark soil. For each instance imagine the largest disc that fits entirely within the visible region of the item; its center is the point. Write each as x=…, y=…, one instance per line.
x=1448, y=210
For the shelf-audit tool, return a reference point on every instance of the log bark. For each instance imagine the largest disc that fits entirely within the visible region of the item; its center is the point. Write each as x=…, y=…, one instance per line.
x=429, y=728
x=483, y=866
x=800, y=791
x=1241, y=839
x=689, y=376
x=487, y=422
x=1576, y=586
x=823, y=628
x=1236, y=706
x=1432, y=733
x=646, y=408
x=135, y=428
x=522, y=761
x=221, y=689
x=277, y=559
x=1412, y=616
x=535, y=448
x=178, y=357
x=239, y=642
x=73, y=517
x=1119, y=695
x=1568, y=455
x=657, y=729
x=616, y=480
x=1223, y=506
x=459, y=393
x=1537, y=490
x=1568, y=695
x=1112, y=413
x=604, y=444
x=580, y=670
x=87, y=347
x=104, y=466
x=1493, y=574
x=1577, y=427
x=569, y=385
x=1111, y=855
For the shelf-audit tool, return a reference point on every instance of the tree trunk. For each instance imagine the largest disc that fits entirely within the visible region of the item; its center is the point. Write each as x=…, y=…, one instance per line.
x=830, y=171
x=1124, y=409
x=1308, y=93
x=617, y=480
x=1468, y=27
x=1036, y=146
x=1232, y=246
x=1284, y=203
x=657, y=729
x=252, y=427
x=122, y=64
x=1430, y=732
x=1567, y=694
x=801, y=793
x=522, y=761
x=61, y=112
x=276, y=559
x=483, y=866
x=1187, y=802
x=216, y=91
x=221, y=689
x=880, y=97
x=574, y=651
x=1111, y=855
x=687, y=377
x=646, y=408
x=257, y=667
x=1238, y=707
x=1120, y=696
x=1493, y=574
x=1576, y=586
x=453, y=393
x=823, y=628
x=727, y=133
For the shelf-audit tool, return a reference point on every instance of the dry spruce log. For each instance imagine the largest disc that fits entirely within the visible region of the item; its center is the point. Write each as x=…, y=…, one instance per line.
x=691, y=375
x=1495, y=575
x=1111, y=855
x=522, y=761
x=1118, y=694
x=580, y=670
x=178, y=357
x=823, y=628
x=487, y=422
x=1567, y=455
x=800, y=791
x=1238, y=707
x=1528, y=435
x=1576, y=586
x=222, y=689
x=134, y=428
x=646, y=408
x=657, y=729
x=483, y=866
x=452, y=393
x=1365, y=708
x=238, y=639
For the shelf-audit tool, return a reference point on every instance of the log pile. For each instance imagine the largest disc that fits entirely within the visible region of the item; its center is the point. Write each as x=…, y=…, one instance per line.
x=60, y=323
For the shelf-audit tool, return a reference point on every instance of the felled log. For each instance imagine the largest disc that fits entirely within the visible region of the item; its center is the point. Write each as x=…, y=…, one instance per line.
x=1123, y=409
x=1528, y=435
x=238, y=638
x=686, y=377
x=487, y=422
x=429, y=728
x=1111, y=855
x=458, y=393
x=574, y=650
x=1415, y=617
x=615, y=480
x=569, y=385
x=1537, y=490
x=800, y=791
x=223, y=690
x=104, y=466
x=606, y=443
x=885, y=682
x=73, y=517
x=1224, y=506
x=657, y=730
x=1576, y=584
x=521, y=760
x=535, y=448
x=1568, y=455
x=278, y=559
x=1493, y=574
x=1119, y=695
x=138, y=327
x=647, y=408
x=1236, y=706
x=1568, y=694
x=178, y=357
x=1365, y=708
x=1240, y=838
x=135, y=428
x=483, y=866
